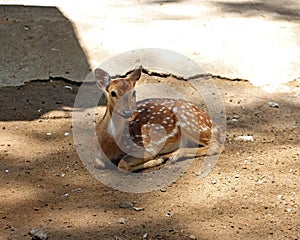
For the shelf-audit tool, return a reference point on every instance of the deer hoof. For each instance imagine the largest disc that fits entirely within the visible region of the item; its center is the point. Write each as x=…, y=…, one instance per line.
x=123, y=165
x=98, y=164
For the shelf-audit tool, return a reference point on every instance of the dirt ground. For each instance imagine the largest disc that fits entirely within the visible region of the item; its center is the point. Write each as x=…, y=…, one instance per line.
x=251, y=193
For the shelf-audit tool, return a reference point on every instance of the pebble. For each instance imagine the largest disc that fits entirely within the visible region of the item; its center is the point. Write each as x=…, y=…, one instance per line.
x=77, y=190
x=235, y=118
x=279, y=197
x=163, y=189
x=213, y=182
x=288, y=210
x=169, y=214
x=66, y=134
x=192, y=237
x=38, y=234
x=69, y=87
x=126, y=205
x=138, y=208
x=66, y=195
x=48, y=134
x=2, y=215
x=121, y=220
x=273, y=104
x=245, y=138
x=146, y=236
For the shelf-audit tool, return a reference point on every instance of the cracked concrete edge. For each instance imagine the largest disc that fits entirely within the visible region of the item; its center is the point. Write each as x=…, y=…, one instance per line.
x=155, y=62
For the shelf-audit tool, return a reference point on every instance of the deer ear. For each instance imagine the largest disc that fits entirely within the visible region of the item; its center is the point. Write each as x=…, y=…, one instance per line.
x=102, y=78
x=136, y=74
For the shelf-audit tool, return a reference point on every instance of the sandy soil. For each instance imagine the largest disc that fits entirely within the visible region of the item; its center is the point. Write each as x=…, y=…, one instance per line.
x=251, y=193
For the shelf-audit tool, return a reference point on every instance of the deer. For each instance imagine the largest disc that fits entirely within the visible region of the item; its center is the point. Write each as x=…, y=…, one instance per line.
x=139, y=135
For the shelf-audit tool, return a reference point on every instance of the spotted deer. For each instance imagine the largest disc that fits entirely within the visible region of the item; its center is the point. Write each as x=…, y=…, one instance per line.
x=139, y=135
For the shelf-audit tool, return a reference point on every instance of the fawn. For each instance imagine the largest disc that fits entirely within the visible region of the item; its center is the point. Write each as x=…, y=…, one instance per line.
x=133, y=135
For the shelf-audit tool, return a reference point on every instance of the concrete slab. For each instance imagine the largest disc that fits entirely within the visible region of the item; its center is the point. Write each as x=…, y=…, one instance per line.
x=38, y=43
x=254, y=40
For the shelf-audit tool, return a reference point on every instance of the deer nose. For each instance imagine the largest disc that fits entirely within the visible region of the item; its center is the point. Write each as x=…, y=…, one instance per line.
x=126, y=113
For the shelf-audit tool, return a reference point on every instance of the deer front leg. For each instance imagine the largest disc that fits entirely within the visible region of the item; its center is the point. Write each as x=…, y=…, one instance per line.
x=130, y=163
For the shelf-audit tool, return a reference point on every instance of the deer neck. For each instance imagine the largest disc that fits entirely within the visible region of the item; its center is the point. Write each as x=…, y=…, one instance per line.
x=113, y=125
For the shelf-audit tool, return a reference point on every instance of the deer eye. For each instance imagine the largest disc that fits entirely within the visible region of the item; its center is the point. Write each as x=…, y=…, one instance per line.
x=134, y=94
x=113, y=93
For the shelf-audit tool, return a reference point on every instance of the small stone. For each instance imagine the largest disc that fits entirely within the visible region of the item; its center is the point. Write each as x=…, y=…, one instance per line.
x=6, y=171
x=126, y=205
x=66, y=134
x=66, y=195
x=48, y=134
x=121, y=220
x=146, y=236
x=236, y=175
x=245, y=138
x=69, y=87
x=77, y=190
x=38, y=234
x=288, y=210
x=2, y=215
x=213, y=182
x=163, y=189
x=192, y=237
x=273, y=104
x=169, y=214
x=138, y=208
x=279, y=197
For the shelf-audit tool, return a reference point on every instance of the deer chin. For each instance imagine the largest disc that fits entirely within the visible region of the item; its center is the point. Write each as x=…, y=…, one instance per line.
x=125, y=116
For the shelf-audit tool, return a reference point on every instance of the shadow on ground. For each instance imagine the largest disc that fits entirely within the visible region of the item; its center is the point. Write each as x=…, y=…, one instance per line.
x=38, y=43
x=278, y=10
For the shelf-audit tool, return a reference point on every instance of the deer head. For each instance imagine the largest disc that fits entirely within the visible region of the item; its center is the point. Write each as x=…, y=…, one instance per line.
x=120, y=93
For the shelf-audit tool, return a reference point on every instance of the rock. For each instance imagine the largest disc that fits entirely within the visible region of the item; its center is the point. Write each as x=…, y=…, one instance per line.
x=245, y=138
x=273, y=104
x=146, y=236
x=66, y=195
x=163, y=189
x=121, y=220
x=68, y=87
x=126, y=205
x=169, y=214
x=213, y=182
x=2, y=215
x=77, y=190
x=192, y=237
x=38, y=234
x=288, y=210
x=279, y=197
x=138, y=208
